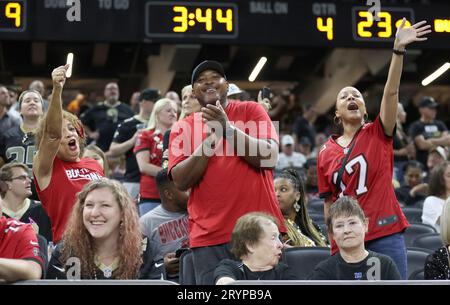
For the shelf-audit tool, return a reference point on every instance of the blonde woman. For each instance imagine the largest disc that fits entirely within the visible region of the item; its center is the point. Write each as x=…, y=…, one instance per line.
x=103, y=239
x=149, y=152
x=189, y=104
x=437, y=265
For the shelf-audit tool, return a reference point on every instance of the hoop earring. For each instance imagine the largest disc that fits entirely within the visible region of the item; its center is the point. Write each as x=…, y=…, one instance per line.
x=337, y=121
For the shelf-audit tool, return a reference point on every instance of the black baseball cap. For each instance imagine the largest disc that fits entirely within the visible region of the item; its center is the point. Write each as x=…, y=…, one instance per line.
x=207, y=65
x=428, y=101
x=150, y=94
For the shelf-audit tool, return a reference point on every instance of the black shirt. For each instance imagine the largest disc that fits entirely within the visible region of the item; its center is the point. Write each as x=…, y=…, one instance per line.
x=402, y=194
x=429, y=131
x=336, y=269
x=239, y=271
x=105, y=120
x=17, y=146
x=124, y=132
x=36, y=214
x=302, y=128
x=148, y=270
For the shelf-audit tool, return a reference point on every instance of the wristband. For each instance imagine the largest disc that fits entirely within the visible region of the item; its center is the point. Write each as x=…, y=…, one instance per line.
x=399, y=52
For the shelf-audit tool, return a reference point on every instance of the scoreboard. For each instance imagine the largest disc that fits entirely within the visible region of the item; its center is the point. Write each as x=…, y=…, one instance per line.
x=243, y=22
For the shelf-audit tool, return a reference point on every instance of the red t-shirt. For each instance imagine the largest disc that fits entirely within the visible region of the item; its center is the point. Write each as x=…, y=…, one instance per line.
x=153, y=142
x=230, y=187
x=68, y=178
x=18, y=241
x=367, y=177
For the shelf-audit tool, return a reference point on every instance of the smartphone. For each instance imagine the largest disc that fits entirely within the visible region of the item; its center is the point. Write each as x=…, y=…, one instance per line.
x=266, y=92
x=180, y=251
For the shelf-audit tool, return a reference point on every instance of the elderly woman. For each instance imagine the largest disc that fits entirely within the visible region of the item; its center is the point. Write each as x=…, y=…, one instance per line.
x=348, y=227
x=103, y=239
x=437, y=265
x=189, y=104
x=59, y=170
x=255, y=241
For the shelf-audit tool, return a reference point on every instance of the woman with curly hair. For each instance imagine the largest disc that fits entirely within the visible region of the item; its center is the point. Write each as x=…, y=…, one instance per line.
x=58, y=167
x=103, y=239
x=301, y=231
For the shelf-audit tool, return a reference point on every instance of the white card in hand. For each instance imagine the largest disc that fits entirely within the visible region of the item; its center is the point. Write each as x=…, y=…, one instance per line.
x=69, y=62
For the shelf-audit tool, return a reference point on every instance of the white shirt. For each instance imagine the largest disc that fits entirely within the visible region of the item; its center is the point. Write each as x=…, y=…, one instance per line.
x=432, y=210
x=295, y=160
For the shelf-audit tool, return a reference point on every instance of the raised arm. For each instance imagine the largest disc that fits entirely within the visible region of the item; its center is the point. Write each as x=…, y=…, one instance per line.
x=404, y=36
x=52, y=133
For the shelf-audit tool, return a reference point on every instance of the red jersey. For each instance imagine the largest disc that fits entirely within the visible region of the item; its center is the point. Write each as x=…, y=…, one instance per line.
x=367, y=177
x=19, y=241
x=68, y=178
x=152, y=142
x=230, y=187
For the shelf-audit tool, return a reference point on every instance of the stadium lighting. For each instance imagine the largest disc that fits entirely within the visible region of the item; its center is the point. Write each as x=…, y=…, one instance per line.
x=257, y=69
x=429, y=79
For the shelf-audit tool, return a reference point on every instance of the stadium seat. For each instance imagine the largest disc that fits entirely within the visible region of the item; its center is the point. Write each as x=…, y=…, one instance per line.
x=415, y=230
x=315, y=206
x=187, y=273
x=304, y=260
x=430, y=241
x=413, y=214
x=416, y=261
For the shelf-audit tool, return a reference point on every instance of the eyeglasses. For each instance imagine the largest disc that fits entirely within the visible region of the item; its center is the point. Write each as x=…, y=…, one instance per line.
x=21, y=177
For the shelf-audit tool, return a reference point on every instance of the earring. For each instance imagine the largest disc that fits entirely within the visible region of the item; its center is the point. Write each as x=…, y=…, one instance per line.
x=337, y=121
x=296, y=206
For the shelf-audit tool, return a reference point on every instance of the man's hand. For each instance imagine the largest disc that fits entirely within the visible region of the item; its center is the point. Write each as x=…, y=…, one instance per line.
x=171, y=263
x=59, y=76
x=214, y=113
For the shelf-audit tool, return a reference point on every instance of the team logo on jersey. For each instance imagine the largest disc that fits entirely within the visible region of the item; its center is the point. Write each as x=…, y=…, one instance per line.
x=36, y=251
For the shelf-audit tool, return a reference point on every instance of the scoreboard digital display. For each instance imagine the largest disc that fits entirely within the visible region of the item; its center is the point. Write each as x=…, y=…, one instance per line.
x=273, y=23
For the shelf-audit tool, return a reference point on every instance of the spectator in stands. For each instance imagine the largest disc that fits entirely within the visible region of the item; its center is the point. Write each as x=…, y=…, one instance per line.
x=18, y=143
x=104, y=238
x=304, y=126
x=359, y=163
x=220, y=182
x=190, y=104
x=101, y=121
x=6, y=100
x=59, y=171
x=13, y=97
x=321, y=139
x=38, y=86
x=94, y=152
x=289, y=157
x=348, y=226
x=436, y=156
x=414, y=190
x=167, y=225
x=305, y=147
x=437, y=265
x=149, y=151
x=16, y=202
x=439, y=185
x=311, y=188
x=255, y=241
x=125, y=138
x=234, y=92
x=134, y=102
x=21, y=258
x=301, y=230
x=6, y=121
x=172, y=95
x=77, y=104
x=403, y=148
x=427, y=131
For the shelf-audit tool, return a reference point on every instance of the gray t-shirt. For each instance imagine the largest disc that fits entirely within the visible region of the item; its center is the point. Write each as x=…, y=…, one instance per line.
x=167, y=230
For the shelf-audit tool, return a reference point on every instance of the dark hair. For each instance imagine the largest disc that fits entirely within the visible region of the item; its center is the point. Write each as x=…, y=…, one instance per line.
x=162, y=181
x=247, y=231
x=302, y=218
x=437, y=182
x=6, y=174
x=345, y=206
x=412, y=164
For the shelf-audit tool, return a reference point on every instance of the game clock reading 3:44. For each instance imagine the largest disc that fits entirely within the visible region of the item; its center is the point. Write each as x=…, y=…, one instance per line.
x=12, y=16
x=181, y=19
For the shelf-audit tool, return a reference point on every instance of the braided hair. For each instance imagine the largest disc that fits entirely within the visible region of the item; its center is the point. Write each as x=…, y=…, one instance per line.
x=302, y=218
